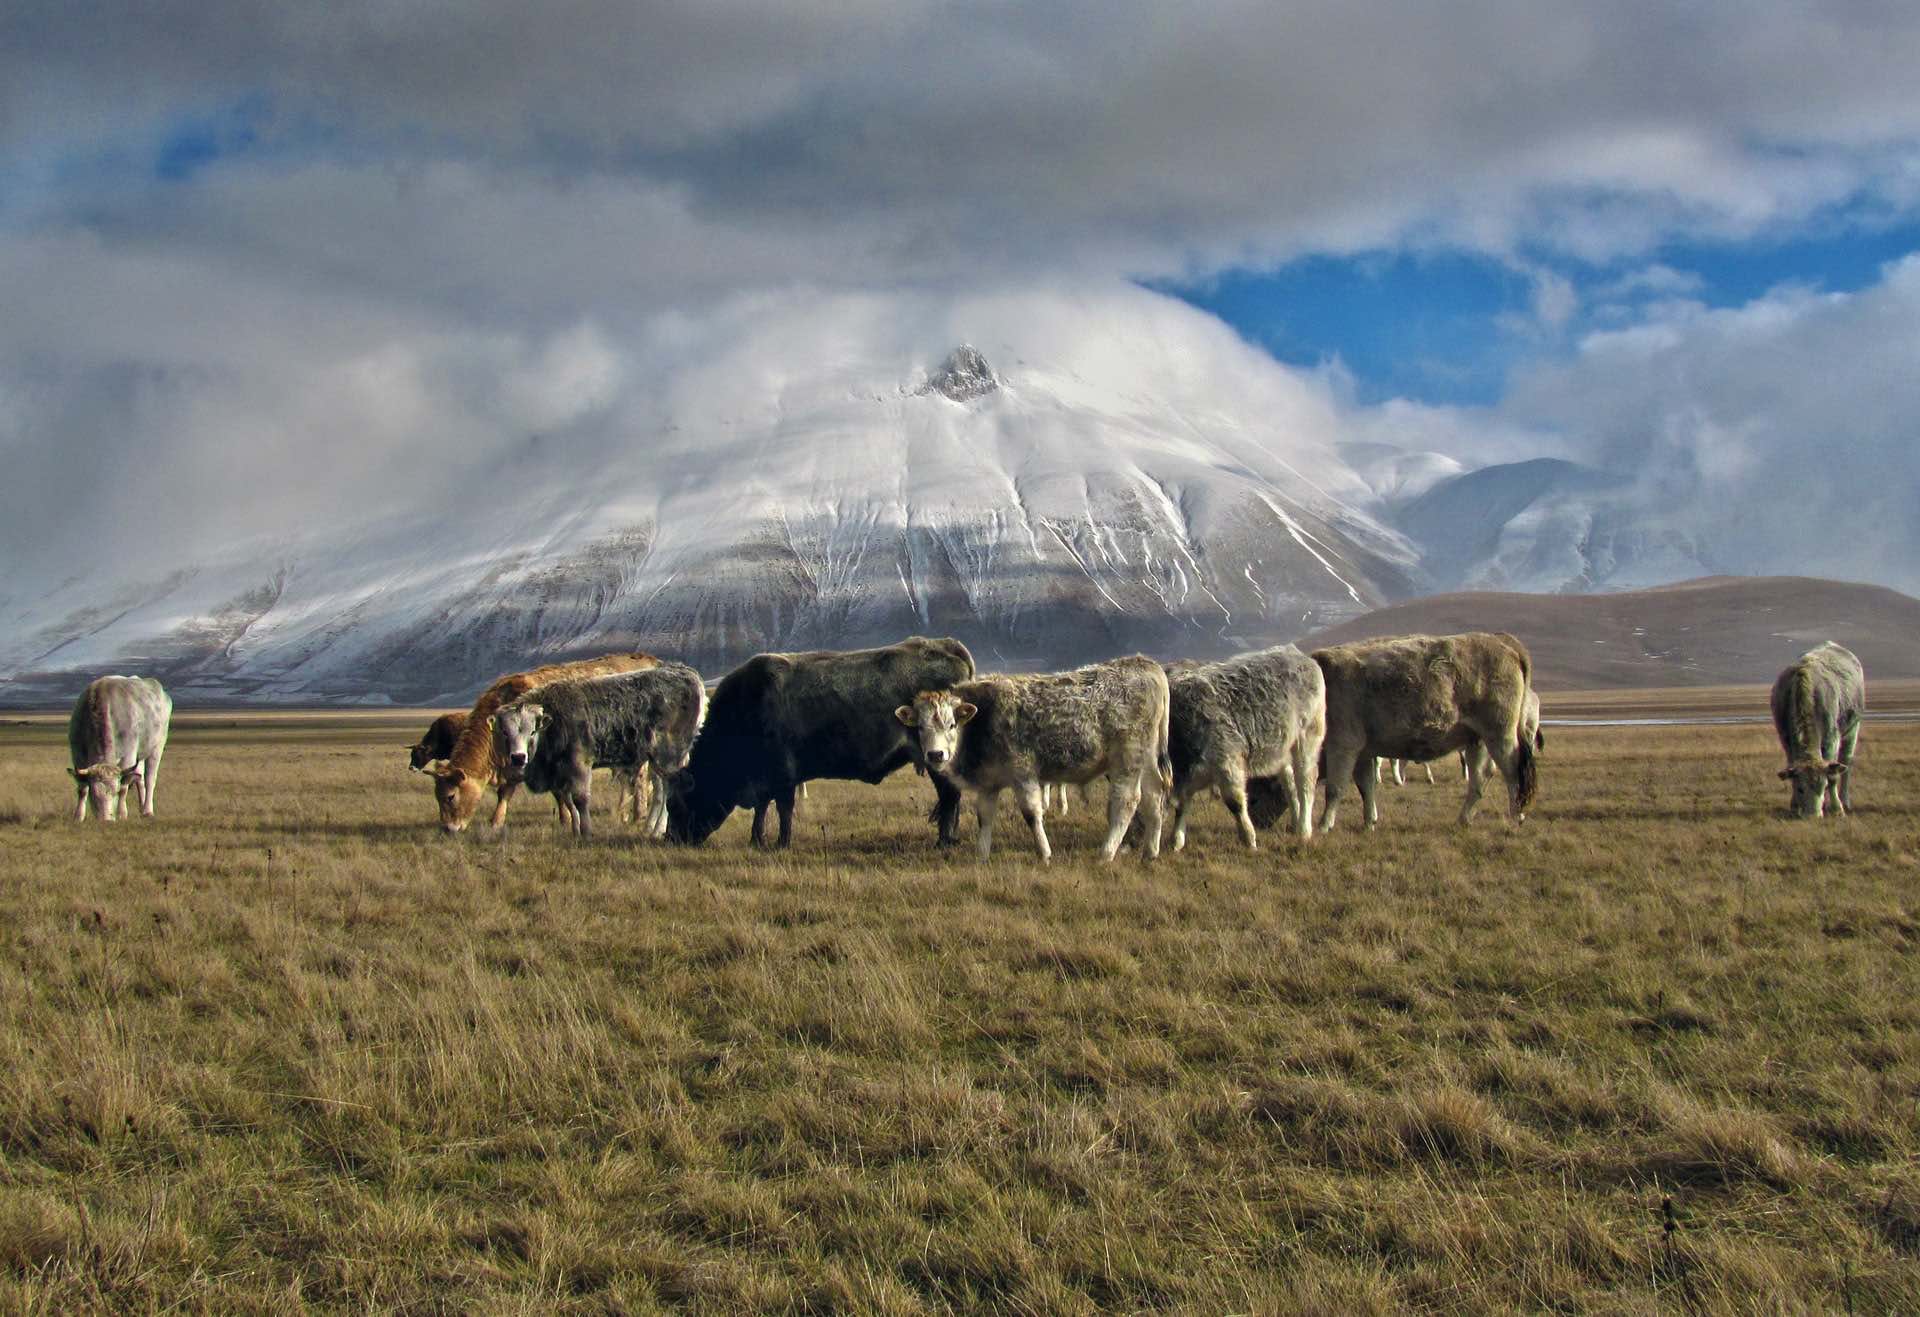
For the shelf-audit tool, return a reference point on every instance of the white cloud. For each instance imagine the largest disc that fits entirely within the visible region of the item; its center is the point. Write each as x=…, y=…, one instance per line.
x=1784, y=433
x=456, y=226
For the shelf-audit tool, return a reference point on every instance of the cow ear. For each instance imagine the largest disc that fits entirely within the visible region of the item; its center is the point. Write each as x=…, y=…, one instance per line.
x=540, y=719
x=906, y=715
x=453, y=777
x=76, y=775
x=964, y=712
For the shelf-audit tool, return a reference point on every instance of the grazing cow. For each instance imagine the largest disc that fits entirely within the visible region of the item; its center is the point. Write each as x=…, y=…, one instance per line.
x=778, y=720
x=557, y=735
x=475, y=762
x=1419, y=697
x=1817, y=705
x=116, y=735
x=1105, y=720
x=1256, y=715
x=439, y=740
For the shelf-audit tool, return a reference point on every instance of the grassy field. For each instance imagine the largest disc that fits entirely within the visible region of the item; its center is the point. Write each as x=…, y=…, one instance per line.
x=286, y=1046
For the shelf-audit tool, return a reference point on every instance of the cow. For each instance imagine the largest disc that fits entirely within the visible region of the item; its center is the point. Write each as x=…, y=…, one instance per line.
x=438, y=740
x=116, y=735
x=1817, y=705
x=475, y=763
x=558, y=734
x=779, y=720
x=1420, y=697
x=441, y=734
x=1104, y=720
x=1256, y=715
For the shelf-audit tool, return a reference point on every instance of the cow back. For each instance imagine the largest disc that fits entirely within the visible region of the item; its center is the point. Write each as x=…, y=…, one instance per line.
x=118, y=720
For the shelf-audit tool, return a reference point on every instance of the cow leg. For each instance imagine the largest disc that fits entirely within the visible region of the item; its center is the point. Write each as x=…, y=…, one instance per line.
x=149, y=776
x=1046, y=795
x=1233, y=794
x=1033, y=810
x=1183, y=795
x=986, y=804
x=1123, y=798
x=1366, y=778
x=1300, y=784
x=1429, y=768
x=1152, y=810
x=501, y=795
x=784, y=804
x=80, y=805
x=656, y=805
x=1342, y=763
x=1399, y=773
x=1847, y=743
x=947, y=809
x=759, y=834
x=581, y=798
x=1507, y=760
x=1477, y=762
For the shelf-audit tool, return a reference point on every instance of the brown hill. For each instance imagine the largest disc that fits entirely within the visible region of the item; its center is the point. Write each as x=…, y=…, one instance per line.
x=1718, y=630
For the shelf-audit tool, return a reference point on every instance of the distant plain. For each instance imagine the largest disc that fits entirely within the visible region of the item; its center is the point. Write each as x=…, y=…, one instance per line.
x=287, y=1047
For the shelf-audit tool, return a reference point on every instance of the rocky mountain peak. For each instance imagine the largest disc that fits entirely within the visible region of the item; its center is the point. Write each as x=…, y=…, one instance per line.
x=963, y=375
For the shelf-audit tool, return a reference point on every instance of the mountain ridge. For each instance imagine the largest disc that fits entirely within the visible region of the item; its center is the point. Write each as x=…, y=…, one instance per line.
x=1709, y=631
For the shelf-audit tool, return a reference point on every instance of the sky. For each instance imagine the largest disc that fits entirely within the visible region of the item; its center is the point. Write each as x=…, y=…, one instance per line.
x=288, y=260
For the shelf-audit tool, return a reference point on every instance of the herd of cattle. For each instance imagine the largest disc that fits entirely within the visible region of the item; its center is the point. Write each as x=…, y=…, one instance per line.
x=1260, y=730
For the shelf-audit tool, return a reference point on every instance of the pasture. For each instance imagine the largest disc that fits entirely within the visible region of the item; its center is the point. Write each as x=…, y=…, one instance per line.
x=288, y=1047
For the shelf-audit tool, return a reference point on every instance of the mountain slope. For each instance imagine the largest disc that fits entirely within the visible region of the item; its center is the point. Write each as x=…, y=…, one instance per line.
x=1044, y=514
x=1711, y=631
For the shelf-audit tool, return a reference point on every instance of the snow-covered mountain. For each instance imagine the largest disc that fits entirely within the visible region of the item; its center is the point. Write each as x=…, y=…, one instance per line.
x=1541, y=526
x=1043, y=510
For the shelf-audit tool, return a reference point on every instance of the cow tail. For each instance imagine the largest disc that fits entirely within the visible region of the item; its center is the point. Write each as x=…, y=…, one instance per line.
x=1526, y=771
x=1163, y=759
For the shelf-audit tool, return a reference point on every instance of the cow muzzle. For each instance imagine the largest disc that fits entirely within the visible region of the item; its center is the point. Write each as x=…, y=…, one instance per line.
x=935, y=758
x=518, y=759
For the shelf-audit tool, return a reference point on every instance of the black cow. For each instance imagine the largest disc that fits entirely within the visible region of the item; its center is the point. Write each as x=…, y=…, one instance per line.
x=556, y=735
x=779, y=720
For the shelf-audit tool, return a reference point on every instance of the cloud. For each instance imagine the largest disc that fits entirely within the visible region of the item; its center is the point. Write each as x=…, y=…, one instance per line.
x=1113, y=133
x=267, y=262
x=1782, y=433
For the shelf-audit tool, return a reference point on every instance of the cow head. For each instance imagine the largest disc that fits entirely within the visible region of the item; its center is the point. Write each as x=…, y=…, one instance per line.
x=103, y=787
x=938, y=716
x=516, y=731
x=458, y=794
x=1811, y=779
x=419, y=755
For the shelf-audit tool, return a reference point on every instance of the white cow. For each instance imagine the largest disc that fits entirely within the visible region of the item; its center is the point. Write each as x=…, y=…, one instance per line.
x=116, y=735
x=1104, y=720
x=1817, y=706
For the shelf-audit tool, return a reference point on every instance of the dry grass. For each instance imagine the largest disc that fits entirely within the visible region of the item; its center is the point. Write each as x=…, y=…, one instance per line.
x=320, y=1056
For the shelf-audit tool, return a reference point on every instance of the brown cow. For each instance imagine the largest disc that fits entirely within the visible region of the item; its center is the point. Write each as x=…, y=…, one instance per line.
x=475, y=763
x=438, y=742
x=1420, y=697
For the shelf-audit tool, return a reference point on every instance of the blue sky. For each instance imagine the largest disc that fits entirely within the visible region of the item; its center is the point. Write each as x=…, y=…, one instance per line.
x=1447, y=325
